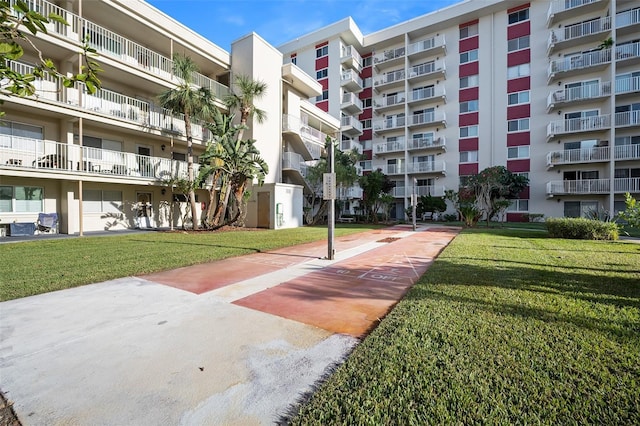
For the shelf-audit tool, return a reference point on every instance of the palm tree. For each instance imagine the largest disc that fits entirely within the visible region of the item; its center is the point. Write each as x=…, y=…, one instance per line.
x=248, y=90
x=192, y=102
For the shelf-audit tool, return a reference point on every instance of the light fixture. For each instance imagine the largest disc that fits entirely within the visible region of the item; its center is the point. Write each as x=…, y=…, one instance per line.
x=163, y=190
x=163, y=146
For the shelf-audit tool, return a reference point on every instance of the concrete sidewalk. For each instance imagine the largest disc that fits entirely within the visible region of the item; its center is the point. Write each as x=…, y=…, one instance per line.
x=231, y=342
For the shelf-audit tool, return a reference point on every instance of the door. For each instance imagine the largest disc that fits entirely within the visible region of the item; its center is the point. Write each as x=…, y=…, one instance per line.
x=144, y=210
x=144, y=161
x=264, y=210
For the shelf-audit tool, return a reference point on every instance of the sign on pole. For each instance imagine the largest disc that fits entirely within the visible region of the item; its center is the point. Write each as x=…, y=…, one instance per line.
x=328, y=186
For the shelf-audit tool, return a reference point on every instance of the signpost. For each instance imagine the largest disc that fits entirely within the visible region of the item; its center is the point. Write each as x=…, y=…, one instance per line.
x=329, y=193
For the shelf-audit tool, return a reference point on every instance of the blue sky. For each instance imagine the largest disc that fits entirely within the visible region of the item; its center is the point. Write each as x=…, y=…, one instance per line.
x=279, y=21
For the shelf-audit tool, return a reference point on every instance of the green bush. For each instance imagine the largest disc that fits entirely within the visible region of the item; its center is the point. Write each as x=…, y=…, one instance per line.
x=581, y=229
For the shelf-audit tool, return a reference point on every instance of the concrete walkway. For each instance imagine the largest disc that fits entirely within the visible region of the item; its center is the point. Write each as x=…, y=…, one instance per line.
x=230, y=342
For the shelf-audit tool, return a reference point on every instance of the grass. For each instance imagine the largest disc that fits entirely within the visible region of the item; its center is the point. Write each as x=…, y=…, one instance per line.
x=36, y=267
x=506, y=327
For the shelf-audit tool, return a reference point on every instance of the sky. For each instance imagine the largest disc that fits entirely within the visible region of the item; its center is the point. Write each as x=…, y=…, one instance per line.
x=280, y=21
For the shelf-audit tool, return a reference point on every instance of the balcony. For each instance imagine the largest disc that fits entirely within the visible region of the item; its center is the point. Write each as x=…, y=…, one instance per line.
x=391, y=122
x=427, y=95
x=578, y=125
x=421, y=191
x=393, y=169
x=351, y=81
x=351, y=193
x=593, y=186
x=577, y=34
x=350, y=145
x=427, y=143
x=628, y=21
x=628, y=53
x=563, y=68
x=294, y=168
x=350, y=126
x=389, y=80
x=398, y=145
x=305, y=139
x=578, y=156
x=427, y=71
x=426, y=167
x=563, y=9
x=428, y=47
x=350, y=57
x=576, y=95
x=385, y=103
x=351, y=103
x=429, y=118
x=626, y=152
x=112, y=45
x=627, y=85
x=70, y=161
x=627, y=119
x=389, y=58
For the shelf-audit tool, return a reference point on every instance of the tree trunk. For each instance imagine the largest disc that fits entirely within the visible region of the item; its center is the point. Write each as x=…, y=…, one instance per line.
x=221, y=207
x=190, y=174
x=212, y=199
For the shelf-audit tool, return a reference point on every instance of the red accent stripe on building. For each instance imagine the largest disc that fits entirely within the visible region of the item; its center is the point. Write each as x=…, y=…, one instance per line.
x=518, y=139
x=470, y=94
x=367, y=135
x=467, y=44
x=366, y=93
x=322, y=63
x=368, y=154
x=516, y=217
x=325, y=83
x=519, y=30
x=468, y=144
x=517, y=8
x=519, y=57
x=468, y=119
x=466, y=70
x=366, y=114
x=518, y=111
x=518, y=84
x=324, y=43
x=466, y=24
x=468, y=169
x=366, y=72
x=518, y=165
x=323, y=105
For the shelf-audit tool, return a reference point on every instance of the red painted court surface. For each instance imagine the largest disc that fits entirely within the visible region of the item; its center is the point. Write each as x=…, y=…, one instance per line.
x=349, y=296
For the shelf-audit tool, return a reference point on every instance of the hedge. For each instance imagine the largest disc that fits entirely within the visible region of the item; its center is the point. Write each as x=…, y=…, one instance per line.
x=582, y=229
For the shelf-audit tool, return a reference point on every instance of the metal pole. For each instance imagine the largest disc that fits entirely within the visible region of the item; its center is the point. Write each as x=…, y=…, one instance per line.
x=414, y=200
x=332, y=207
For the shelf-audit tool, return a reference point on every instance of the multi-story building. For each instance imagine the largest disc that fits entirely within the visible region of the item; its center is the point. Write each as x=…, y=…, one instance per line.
x=548, y=89
x=100, y=160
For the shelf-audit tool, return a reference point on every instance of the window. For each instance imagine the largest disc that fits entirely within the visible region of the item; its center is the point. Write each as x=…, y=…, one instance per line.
x=469, y=157
x=294, y=60
x=519, y=125
x=470, y=81
x=366, y=62
x=21, y=199
x=519, y=16
x=469, y=132
x=627, y=173
x=179, y=156
x=464, y=180
x=468, y=31
x=367, y=82
x=517, y=98
x=366, y=165
x=517, y=71
x=518, y=43
x=323, y=97
x=366, y=103
x=19, y=136
x=98, y=201
x=580, y=208
x=469, y=106
x=627, y=140
x=519, y=206
x=514, y=152
x=323, y=73
x=322, y=51
x=366, y=124
x=470, y=56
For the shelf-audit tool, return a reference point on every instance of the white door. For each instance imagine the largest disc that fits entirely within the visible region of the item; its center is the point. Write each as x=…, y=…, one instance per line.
x=144, y=211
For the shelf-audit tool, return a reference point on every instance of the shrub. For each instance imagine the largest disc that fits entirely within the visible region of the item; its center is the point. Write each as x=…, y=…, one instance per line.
x=581, y=229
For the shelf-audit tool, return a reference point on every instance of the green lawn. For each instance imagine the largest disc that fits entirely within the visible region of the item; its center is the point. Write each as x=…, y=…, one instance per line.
x=506, y=327
x=36, y=267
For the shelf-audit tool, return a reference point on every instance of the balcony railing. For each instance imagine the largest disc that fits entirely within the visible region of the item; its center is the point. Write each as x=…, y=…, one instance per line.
x=584, y=92
x=627, y=85
x=390, y=146
x=349, y=145
x=386, y=101
x=393, y=169
x=586, y=60
x=407, y=191
x=558, y=6
x=425, y=143
x=575, y=156
x=426, y=44
x=353, y=192
x=389, y=77
x=389, y=55
x=579, y=30
x=113, y=45
x=391, y=122
x=428, y=117
x=628, y=51
x=426, y=69
x=593, y=186
x=351, y=80
x=627, y=18
x=426, y=167
x=313, y=139
x=627, y=118
x=350, y=56
x=426, y=93
x=583, y=124
x=351, y=122
x=48, y=155
x=627, y=152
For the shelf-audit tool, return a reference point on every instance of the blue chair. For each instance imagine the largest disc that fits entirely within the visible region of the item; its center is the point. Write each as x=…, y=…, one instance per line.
x=47, y=222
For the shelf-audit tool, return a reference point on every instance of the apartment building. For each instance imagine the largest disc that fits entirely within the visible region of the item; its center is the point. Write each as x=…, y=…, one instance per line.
x=100, y=161
x=550, y=90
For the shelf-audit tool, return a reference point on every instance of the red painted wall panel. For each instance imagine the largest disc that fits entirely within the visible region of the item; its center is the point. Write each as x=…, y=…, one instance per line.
x=518, y=111
x=324, y=105
x=519, y=57
x=469, y=69
x=325, y=83
x=367, y=113
x=468, y=144
x=516, y=217
x=518, y=84
x=322, y=63
x=366, y=135
x=468, y=169
x=366, y=72
x=524, y=194
x=368, y=154
x=470, y=43
x=518, y=139
x=468, y=119
x=519, y=30
x=518, y=165
x=366, y=93
x=469, y=94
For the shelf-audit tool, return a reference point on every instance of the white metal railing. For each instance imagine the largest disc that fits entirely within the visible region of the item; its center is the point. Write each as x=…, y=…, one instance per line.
x=426, y=44
x=582, y=124
x=349, y=145
x=577, y=62
x=393, y=169
x=350, y=98
x=627, y=118
x=385, y=101
x=353, y=192
x=586, y=91
x=390, y=122
x=111, y=44
x=626, y=152
x=422, y=190
x=426, y=142
x=628, y=17
x=562, y=5
x=390, y=146
x=389, y=77
x=427, y=118
x=350, y=76
x=581, y=29
x=349, y=53
x=628, y=85
x=426, y=93
x=426, y=167
x=580, y=155
x=426, y=69
x=312, y=138
x=50, y=155
x=593, y=186
x=349, y=121
x=389, y=55
x=628, y=50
